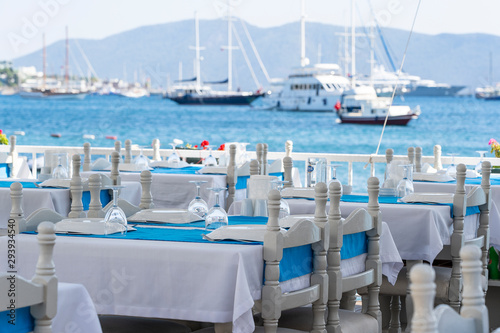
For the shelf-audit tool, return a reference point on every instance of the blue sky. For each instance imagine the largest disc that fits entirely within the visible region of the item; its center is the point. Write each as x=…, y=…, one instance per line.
x=23, y=22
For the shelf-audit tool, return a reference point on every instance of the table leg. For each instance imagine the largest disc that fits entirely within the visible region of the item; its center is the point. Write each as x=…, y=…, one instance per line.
x=223, y=327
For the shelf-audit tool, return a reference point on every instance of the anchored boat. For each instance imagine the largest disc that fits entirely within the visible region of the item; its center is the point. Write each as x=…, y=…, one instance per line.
x=361, y=105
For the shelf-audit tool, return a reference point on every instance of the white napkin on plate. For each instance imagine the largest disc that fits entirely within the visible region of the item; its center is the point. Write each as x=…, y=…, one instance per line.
x=439, y=176
x=428, y=197
x=100, y=164
x=89, y=226
x=427, y=168
x=214, y=169
x=164, y=216
x=298, y=192
x=166, y=164
x=242, y=232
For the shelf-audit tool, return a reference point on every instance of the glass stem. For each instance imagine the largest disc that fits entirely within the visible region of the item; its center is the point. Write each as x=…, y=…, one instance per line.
x=115, y=197
x=198, y=192
x=217, y=199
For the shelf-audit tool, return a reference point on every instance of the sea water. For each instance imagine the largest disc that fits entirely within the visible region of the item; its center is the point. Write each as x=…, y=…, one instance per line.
x=460, y=125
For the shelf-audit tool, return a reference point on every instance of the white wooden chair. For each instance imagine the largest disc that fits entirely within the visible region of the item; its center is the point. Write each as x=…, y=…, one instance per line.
x=39, y=293
x=360, y=220
x=449, y=280
x=287, y=174
x=473, y=317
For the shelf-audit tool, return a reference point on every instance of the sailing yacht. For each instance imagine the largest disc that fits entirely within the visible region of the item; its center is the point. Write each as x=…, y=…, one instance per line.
x=54, y=90
x=198, y=94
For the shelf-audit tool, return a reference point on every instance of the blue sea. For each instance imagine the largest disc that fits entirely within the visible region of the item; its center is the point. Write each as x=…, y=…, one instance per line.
x=460, y=125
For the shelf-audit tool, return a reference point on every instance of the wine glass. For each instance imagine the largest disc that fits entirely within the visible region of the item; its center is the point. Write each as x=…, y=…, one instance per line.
x=334, y=176
x=210, y=160
x=244, y=157
x=115, y=214
x=452, y=169
x=141, y=161
x=482, y=155
x=216, y=216
x=284, y=206
x=198, y=206
x=405, y=185
x=60, y=172
x=173, y=159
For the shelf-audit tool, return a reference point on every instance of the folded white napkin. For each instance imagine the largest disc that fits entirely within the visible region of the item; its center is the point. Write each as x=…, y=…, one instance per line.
x=298, y=192
x=275, y=166
x=244, y=170
x=130, y=167
x=243, y=232
x=429, y=197
x=427, y=168
x=214, y=169
x=440, y=176
x=166, y=164
x=259, y=186
x=100, y=164
x=165, y=216
x=468, y=174
x=89, y=226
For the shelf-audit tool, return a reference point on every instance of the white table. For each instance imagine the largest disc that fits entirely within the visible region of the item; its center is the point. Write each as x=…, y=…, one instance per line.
x=208, y=282
x=419, y=231
x=57, y=199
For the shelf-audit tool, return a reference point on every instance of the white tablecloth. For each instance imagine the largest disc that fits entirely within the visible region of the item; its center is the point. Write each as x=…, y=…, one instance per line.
x=75, y=310
x=193, y=281
x=56, y=199
x=419, y=231
x=450, y=188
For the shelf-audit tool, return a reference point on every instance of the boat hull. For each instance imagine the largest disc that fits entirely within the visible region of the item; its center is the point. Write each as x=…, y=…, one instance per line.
x=434, y=91
x=392, y=120
x=214, y=100
x=42, y=95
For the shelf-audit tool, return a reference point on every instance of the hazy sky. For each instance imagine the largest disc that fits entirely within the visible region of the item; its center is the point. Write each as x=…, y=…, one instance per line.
x=23, y=22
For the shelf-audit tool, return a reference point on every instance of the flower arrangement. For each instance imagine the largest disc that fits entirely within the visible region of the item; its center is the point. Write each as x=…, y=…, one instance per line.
x=204, y=144
x=222, y=147
x=495, y=147
x=3, y=139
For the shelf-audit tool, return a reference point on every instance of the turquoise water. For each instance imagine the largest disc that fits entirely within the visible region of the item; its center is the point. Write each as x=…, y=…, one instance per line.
x=459, y=125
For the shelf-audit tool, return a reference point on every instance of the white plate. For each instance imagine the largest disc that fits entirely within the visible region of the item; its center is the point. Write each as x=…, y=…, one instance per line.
x=243, y=232
x=164, y=216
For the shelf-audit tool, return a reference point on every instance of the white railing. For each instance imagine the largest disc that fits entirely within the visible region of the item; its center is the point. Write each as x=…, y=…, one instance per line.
x=364, y=159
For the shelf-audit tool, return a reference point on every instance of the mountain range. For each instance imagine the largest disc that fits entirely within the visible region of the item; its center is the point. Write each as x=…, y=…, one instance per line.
x=156, y=51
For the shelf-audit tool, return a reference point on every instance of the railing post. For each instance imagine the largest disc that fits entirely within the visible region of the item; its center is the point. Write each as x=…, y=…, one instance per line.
x=349, y=174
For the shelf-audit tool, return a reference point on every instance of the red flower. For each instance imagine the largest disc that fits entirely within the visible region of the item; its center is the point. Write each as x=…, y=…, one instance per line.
x=1, y=132
x=222, y=147
x=196, y=146
x=204, y=144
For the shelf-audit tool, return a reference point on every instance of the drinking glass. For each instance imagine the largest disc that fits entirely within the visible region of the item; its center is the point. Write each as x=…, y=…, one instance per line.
x=216, y=216
x=115, y=214
x=210, y=160
x=60, y=172
x=334, y=176
x=482, y=155
x=284, y=206
x=141, y=161
x=198, y=206
x=405, y=185
x=244, y=157
x=452, y=169
x=173, y=159
x=316, y=171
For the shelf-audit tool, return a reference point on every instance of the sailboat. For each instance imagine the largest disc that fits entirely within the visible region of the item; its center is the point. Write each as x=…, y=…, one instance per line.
x=54, y=91
x=197, y=94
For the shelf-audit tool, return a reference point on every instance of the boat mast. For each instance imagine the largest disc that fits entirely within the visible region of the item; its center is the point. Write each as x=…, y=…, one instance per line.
x=66, y=65
x=44, y=66
x=303, y=60
x=353, y=46
x=197, y=48
x=229, y=49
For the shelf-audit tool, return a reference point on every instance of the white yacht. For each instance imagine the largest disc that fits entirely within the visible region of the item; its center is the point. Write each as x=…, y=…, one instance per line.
x=310, y=88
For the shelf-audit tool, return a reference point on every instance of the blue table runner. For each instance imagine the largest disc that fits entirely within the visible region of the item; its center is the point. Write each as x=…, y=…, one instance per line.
x=4, y=170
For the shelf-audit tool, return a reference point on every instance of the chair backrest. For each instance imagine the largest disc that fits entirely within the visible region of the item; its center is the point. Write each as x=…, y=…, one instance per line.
x=232, y=176
x=411, y=156
x=156, y=150
x=288, y=148
x=146, y=196
x=22, y=224
x=86, y=157
x=259, y=151
x=437, y=158
x=303, y=232
x=76, y=189
x=254, y=168
x=418, y=159
x=360, y=220
x=115, y=170
x=473, y=317
x=287, y=175
x=128, y=151
x=40, y=294
x=95, y=205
